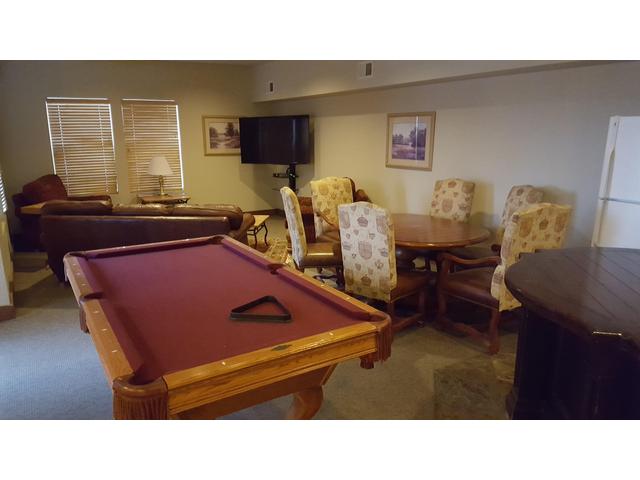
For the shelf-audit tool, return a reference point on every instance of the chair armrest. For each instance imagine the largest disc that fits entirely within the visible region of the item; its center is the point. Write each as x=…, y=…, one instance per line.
x=478, y=262
x=447, y=260
x=361, y=196
x=329, y=222
x=19, y=201
x=104, y=198
x=496, y=248
x=248, y=220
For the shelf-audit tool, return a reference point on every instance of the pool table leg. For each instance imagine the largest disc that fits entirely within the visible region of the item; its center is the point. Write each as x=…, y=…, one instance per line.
x=306, y=403
x=83, y=321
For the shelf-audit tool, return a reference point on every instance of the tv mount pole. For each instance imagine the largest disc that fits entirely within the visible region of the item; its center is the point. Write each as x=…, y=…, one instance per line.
x=290, y=173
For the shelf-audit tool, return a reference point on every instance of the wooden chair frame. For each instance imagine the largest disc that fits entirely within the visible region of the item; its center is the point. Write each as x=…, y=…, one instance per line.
x=447, y=261
x=399, y=323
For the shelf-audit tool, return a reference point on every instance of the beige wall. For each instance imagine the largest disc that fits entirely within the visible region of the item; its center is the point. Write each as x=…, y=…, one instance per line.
x=198, y=88
x=547, y=129
x=305, y=78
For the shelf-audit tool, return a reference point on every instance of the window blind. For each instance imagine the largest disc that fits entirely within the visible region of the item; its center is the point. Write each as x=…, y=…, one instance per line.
x=81, y=135
x=3, y=195
x=152, y=128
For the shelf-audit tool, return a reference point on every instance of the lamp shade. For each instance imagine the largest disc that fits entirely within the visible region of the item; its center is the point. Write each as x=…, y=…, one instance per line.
x=159, y=166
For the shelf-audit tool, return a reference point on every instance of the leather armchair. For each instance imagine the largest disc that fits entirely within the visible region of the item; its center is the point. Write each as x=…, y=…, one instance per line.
x=44, y=189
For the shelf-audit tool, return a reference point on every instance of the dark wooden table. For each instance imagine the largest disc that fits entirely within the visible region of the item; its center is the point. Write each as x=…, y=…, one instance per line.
x=416, y=233
x=579, y=342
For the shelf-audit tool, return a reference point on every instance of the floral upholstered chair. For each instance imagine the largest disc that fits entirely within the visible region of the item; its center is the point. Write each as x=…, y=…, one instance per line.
x=313, y=255
x=519, y=197
x=540, y=226
x=369, y=260
x=326, y=194
x=452, y=198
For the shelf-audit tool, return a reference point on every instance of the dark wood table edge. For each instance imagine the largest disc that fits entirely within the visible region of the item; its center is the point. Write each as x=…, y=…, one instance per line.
x=605, y=348
x=567, y=321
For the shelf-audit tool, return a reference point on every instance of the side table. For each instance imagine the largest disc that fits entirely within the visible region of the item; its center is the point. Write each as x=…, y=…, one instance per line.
x=258, y=226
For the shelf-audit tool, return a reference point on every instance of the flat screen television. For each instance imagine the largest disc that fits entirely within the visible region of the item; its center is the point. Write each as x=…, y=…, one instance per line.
x=280, y=140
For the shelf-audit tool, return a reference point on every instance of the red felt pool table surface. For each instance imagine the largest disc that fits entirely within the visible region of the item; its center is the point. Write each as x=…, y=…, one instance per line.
x=170, y=308
x=168, y=304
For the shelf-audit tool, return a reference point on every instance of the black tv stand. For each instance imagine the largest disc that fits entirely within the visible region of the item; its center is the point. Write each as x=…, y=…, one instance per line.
x=290, y=173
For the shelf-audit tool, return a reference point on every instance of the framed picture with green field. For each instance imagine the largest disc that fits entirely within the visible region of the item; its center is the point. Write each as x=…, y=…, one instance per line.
x=410, y=140
x=221, y=135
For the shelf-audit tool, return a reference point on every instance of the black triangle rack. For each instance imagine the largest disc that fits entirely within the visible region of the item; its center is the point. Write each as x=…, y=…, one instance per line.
x=241, y=313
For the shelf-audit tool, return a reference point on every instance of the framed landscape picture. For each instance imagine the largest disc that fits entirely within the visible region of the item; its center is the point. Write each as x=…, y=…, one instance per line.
x=410, y=140
x=221, y=135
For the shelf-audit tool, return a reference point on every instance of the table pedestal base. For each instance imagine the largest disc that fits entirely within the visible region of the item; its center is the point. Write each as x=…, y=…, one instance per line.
x=405, y=258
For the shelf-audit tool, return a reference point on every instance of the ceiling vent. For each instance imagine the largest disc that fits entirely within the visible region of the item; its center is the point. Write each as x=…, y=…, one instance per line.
x=271, y=87
x=365, y=70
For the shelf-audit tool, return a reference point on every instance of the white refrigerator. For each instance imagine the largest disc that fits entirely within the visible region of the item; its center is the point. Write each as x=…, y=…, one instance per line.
x=618, y=213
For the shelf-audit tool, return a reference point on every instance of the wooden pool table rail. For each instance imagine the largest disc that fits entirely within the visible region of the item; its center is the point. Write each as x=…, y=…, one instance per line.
x=300, y=367
x=256, y=370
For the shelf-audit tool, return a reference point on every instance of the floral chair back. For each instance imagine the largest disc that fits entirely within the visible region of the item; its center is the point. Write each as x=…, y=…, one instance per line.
x=520, y=197
x=326, y=194
x=368, y=250
x=452, y=198
x=540, y=226
x=294, y=222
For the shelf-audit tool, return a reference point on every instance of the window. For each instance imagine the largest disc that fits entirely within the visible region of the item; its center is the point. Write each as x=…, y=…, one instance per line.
x=81, y=135
x=152, y=128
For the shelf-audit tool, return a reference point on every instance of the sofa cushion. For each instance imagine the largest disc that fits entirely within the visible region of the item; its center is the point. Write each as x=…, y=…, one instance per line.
x=45, y=188
x=233, y=213
x=149, y=209
x=76, y=207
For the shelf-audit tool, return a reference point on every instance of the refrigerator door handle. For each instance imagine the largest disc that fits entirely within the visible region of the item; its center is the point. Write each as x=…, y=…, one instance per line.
x=612, y=161
x=606, y=176
x=620, y=200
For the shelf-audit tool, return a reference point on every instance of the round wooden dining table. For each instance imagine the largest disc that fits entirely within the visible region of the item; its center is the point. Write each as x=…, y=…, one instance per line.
x=415, y=233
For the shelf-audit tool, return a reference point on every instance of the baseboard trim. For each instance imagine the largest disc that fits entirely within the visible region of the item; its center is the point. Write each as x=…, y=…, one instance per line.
x=7, y=312
x=273, y=211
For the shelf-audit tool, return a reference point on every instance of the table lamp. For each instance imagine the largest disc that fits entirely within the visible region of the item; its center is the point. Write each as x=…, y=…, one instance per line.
x=160, y=167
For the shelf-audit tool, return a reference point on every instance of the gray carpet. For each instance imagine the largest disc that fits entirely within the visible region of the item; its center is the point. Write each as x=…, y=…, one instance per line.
x=49, y=370
x=48, y=366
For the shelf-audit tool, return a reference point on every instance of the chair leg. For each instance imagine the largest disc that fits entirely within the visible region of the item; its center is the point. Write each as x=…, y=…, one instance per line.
x=441, y=320
x=400, y=323
x=391, y=309
x=494, y=337
x=422, y=306
x=340, y=275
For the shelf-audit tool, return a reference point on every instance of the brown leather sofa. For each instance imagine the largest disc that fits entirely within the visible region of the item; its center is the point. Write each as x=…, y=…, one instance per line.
x=71, y=226
x=44, y=189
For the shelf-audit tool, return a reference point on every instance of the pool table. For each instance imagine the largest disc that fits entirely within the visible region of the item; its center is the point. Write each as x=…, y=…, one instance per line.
x=159, y=316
